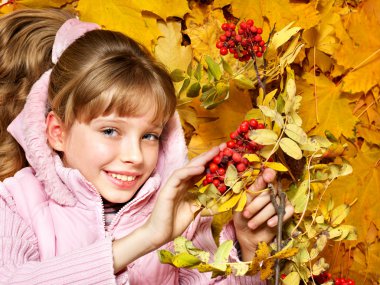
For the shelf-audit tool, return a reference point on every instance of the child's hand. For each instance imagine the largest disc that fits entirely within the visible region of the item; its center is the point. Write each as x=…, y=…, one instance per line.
x=174, y=209
x=258, y=221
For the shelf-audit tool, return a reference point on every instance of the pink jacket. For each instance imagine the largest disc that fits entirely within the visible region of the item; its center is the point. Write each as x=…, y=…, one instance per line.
x=52, y=221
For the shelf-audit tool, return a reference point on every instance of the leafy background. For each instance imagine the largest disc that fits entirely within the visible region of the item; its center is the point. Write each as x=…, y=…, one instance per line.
x=337, y=75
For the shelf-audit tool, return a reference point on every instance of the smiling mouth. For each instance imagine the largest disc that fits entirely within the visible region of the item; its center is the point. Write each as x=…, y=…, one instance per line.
x=123, y=177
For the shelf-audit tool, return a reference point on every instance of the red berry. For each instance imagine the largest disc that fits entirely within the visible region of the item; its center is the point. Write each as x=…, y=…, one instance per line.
x=223, y=51
x=205, y=182
x=260, y=126
x=225, y=26
x=213, y=167
x=253, y=123
x=243, y=25
x=228, y=152
x=231, y=144
x=259, y=30
x=221, y=171
x=222, y=188
x=216, y=182
x=245, y=160
x=223, y=38
x=253, y=29
x=259, y=54
x=219, y=44
x=236, y=157
x=257, y=38
x=250, y=22
x=243, y=128
x=238, y=38
x=234, y=135
x=241, y=167
x=232, y=26
x=217, y=159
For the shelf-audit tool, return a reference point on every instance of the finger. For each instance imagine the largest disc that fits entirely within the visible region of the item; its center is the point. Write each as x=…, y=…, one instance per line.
x=205, y=157
x=261, y=217
x=289, y=211
x=257, y=204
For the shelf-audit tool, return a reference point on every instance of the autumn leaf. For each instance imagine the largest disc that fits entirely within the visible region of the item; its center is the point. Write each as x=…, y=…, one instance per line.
x=179, y=56
x=121, y=16
x=329, y=106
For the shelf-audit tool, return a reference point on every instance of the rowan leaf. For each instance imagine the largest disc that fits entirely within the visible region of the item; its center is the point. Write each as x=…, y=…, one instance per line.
x=230, y=203
x=222, y=254
x=213, y=67
x=239, y=269
x=339, y=214
x=165, y=256
x=242, y=202
x=185, y=260
x=298, y=196
x=292, y=278
x=291, y=148
x=263, y=136
x=276, y=166
x=296, y=133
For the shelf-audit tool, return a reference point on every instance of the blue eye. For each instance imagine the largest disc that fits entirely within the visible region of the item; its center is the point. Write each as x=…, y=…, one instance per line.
x=109, y=132
x=151, y=137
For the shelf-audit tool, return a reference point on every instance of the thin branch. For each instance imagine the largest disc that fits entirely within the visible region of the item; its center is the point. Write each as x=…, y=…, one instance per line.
x=280, y=211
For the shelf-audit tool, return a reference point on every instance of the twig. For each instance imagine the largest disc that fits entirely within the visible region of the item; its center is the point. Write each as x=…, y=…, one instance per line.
x=280, y=210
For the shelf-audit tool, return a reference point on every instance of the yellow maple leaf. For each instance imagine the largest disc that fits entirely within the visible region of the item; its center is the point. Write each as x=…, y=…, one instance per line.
x=43, y=3
x=204, y=33
x=163, y=8
x=121, y=16
x=169, y=49
x=229, y=115
x=361, y=53
x=329, y=111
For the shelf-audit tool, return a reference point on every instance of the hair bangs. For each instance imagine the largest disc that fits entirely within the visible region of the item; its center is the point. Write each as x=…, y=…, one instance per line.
x=129, y=97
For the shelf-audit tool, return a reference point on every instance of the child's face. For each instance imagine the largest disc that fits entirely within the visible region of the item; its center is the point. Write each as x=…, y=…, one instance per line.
x=116, y=154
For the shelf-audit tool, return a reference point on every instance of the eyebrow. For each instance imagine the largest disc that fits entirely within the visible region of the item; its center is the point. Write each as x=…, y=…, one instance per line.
x=100, y=120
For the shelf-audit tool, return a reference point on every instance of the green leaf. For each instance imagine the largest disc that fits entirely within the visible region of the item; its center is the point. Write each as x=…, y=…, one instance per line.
x=231, y=176
x=292, y=278
x=177, y=75
x=198, y=72
x=180, y=244
x=222, y=254
x=239, y=269
x=339, y=214
x=213, y=67
x=296, y=133
x=263, y=136
x=227, y=67
x=291, y=148
x=273, y=114
x=185, y=84
x=243, y=82
x=185, y=259
x=165, y=256
x=298, y=196
x=193, y=90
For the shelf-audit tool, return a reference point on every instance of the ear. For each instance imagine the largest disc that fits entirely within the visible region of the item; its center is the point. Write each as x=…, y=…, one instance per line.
x=55, y=131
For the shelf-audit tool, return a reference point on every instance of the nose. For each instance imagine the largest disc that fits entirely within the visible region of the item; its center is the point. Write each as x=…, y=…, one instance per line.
x=131, y=152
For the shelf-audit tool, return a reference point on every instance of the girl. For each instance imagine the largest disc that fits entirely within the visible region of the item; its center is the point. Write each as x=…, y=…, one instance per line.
x=99, y=178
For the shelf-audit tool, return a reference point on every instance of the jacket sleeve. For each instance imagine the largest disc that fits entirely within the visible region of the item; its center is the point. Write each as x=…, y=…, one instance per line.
x=20, y=264
x=201, y=237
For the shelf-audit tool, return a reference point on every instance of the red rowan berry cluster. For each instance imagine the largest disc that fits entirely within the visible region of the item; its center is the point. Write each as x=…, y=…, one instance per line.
x=244, y=44
x=322, y=278
x=344, y=281
x=239, y=145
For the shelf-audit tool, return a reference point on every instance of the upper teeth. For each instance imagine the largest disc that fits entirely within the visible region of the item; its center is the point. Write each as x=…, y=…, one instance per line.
x=123, y=177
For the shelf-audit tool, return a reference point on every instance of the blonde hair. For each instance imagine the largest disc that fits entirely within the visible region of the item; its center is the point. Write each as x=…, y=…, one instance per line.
x=106, y=71
x=100, y=73
x=26, y=40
